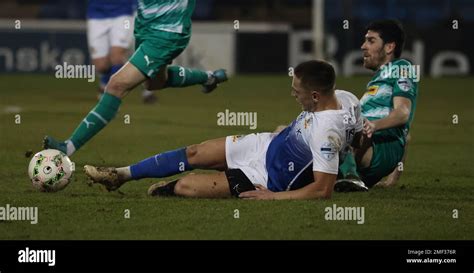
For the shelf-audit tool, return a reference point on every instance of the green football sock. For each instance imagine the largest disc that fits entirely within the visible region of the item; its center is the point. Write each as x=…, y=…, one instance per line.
x=179, y=76
x=348, y=168
x=97, y=119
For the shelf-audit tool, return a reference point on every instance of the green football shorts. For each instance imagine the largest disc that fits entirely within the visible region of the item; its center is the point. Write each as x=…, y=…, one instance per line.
x=387, y=153
x=154, y=52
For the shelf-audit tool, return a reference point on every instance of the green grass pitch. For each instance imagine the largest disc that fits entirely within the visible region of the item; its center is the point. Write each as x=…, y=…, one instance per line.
x=438, y=175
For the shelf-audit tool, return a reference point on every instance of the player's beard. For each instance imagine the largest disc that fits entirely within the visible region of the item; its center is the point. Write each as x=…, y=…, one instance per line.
x=310, y=107
x=374, y=62
x=381, y=60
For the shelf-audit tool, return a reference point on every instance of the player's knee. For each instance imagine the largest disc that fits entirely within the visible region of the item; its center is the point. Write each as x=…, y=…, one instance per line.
x=117, y=87
x=191, y=154
x=184, y=187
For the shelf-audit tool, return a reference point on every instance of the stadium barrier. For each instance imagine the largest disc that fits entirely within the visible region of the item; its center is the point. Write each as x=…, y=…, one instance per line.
x=37, y=46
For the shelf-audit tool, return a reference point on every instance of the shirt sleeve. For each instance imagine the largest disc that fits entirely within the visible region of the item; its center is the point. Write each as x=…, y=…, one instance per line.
x=358, y=116
x=324, y=148
x=405, y=87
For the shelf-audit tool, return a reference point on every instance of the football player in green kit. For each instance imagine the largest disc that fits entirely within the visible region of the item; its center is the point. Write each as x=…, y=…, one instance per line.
x=162, y=31
x=388, y=107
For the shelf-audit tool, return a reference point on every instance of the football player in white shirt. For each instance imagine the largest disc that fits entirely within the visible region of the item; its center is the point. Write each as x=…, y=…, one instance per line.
x=300, y=162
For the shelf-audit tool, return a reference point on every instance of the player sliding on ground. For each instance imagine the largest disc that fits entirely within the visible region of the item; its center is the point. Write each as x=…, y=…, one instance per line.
x=301, y=162
x=162, y=32
x=388, y=106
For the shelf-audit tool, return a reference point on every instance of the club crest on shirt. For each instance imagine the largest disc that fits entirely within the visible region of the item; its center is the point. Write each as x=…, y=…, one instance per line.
x=328, y=150
x=236, y=138
x=307, y=122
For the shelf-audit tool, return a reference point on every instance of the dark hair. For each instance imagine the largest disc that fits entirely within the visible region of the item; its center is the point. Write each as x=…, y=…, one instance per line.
x=316, y=75
x=390, y=31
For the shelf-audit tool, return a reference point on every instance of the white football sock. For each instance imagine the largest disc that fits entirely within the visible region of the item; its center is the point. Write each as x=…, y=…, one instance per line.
x=124, y=173
x=70, y=149
x=210, y=78
x=147, y=93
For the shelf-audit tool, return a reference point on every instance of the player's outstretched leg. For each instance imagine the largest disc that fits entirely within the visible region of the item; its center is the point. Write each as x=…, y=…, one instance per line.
x=107, y=176
x=162, y=189
x=207, y=155
x=51, y=143
x=217, y=77
x=120, y=84
x=213, y=185
x=178, y=76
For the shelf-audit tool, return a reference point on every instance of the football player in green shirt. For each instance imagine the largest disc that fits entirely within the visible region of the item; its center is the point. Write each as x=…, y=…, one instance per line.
x=162, y=31
x=388, y=106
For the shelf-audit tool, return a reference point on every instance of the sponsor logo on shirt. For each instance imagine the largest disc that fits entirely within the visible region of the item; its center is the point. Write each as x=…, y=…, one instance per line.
x=372, y=90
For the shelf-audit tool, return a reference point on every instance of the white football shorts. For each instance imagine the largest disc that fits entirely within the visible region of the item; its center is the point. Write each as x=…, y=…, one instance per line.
x=102, y=34
x=248, y=153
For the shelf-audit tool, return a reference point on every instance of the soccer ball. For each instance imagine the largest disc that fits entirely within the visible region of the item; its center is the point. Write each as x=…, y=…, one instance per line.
x=50, y=170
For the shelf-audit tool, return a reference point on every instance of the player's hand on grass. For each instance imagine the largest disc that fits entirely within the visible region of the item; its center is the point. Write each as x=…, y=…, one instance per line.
x=384, y=184
x=391, y=180
x=261, y=193
x=369, y=128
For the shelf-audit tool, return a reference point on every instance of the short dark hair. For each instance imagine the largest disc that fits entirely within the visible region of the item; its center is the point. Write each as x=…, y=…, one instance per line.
x=316, y=75
x=390, y=31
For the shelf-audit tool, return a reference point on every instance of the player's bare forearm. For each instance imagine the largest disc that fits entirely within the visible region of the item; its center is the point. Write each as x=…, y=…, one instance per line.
x=396, y=118
x=322, y=188
x=310, y=191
